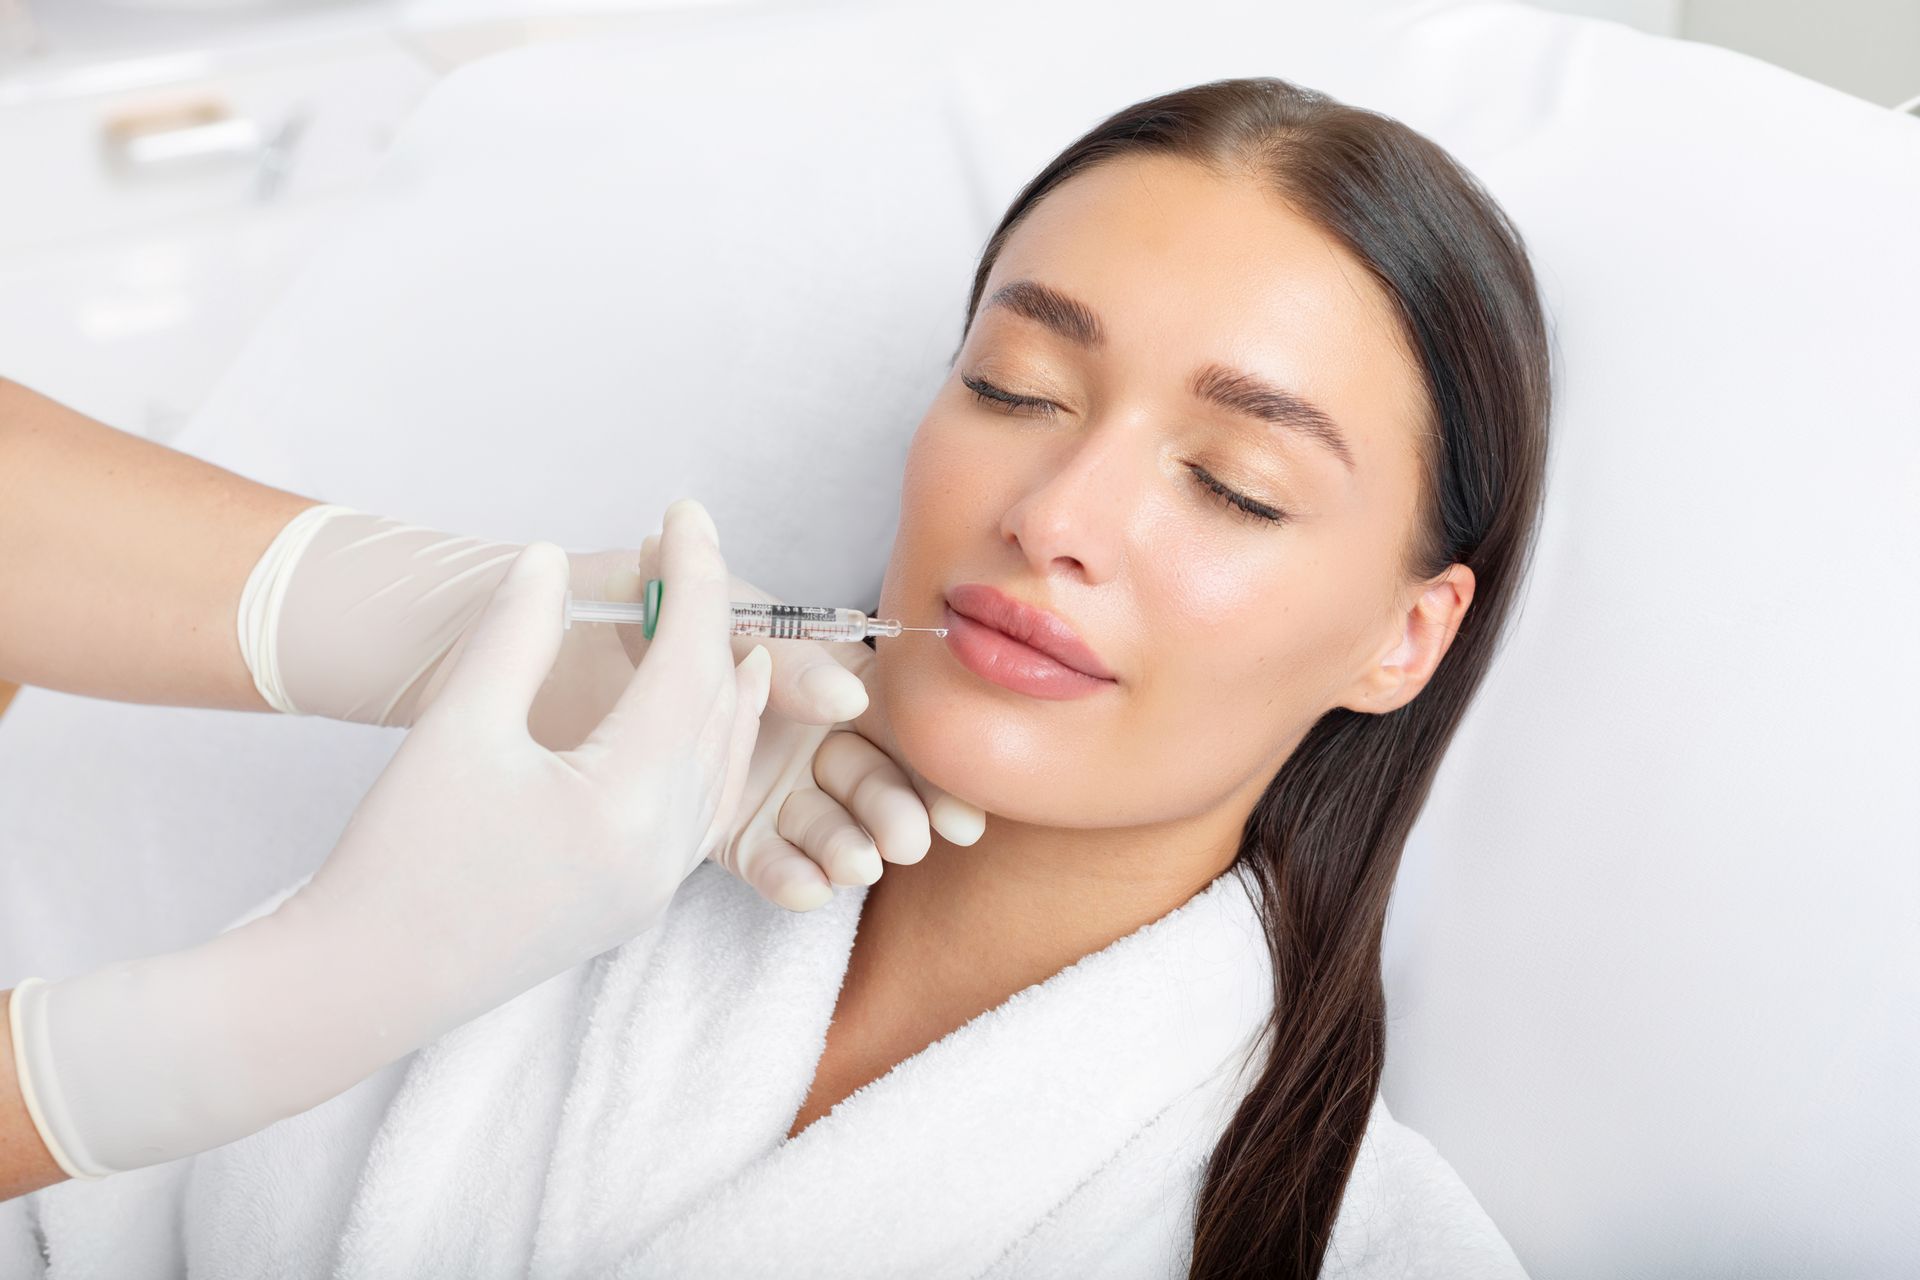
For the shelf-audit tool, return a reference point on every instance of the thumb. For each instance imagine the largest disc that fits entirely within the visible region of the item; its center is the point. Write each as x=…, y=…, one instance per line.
x=512, y=644
x=629, y=583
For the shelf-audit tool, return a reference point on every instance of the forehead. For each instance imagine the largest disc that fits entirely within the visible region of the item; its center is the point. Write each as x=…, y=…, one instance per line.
x=1184, y=267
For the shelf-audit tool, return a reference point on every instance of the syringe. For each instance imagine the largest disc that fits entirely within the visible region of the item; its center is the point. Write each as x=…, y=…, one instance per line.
x=750, y=618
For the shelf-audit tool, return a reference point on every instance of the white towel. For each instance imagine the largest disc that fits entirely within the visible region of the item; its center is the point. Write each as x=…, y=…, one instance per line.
x=629, y=1118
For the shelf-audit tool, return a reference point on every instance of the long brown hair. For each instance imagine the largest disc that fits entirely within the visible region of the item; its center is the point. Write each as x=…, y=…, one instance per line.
x=1321, y=848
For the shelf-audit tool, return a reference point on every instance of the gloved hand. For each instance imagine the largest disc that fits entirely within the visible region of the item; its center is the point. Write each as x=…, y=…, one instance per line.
x=824, y=805
x=479, y=865
x=358, y=617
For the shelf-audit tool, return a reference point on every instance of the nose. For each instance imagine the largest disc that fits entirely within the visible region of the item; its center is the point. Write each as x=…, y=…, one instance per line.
x=1073, y=515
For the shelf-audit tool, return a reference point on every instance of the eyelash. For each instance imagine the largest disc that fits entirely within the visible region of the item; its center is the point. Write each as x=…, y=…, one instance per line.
x=1006, y=401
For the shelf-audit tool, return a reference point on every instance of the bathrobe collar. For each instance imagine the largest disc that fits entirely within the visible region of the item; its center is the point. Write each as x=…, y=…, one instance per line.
x=936, y=1167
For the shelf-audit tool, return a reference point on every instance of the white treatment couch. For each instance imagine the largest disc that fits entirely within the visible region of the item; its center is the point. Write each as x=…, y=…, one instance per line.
x=1651, y=965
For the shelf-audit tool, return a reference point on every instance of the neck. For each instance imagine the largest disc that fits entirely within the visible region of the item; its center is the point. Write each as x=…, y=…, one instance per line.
x=967, y=926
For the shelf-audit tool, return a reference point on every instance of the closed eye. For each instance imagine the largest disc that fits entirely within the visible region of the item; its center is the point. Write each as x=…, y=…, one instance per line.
x=989, y=394
x=1006, y=401
x=1239, y=501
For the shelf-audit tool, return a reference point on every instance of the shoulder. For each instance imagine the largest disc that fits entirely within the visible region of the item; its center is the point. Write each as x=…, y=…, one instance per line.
x=1407, y=1214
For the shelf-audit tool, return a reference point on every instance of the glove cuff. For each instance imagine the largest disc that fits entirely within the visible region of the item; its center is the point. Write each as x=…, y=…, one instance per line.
x=39, y=1086
x=264, y=595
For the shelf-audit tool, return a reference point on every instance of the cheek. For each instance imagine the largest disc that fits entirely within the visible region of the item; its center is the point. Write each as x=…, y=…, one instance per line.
x=1252, y=644
x=1222, y=677
x=929, y=490
x=947, y=514
x=943, y=473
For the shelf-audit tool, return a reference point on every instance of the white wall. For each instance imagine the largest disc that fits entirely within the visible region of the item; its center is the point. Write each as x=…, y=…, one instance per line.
x=1869, y=48
x=1661, y=17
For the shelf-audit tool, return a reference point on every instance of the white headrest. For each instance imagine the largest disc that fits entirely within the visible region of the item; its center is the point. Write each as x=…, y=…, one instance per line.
x=1651, y=963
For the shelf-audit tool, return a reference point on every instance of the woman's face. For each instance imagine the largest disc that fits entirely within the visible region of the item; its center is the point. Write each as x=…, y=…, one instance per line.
x=1129, y=319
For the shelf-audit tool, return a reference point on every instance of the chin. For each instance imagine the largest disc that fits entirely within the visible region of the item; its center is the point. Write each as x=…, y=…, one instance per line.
x=986, y=748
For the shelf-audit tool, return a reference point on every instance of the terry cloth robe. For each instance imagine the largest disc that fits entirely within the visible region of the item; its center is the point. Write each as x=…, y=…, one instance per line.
x=628, y=1118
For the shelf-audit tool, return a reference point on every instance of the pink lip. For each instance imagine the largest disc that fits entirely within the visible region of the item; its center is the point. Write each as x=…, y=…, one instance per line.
x=1022, y=647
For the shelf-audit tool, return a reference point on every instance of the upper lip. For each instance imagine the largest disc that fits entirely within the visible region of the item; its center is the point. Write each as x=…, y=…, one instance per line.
x=1031, y=625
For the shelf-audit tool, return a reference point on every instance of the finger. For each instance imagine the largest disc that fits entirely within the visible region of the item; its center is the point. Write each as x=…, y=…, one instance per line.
x=688, y=667
x=811, y=685
x=874, y=790
x=821, y=828
x=512, y=645
x=779, y=872
x=813, y=682
x=957, y=821
x=750, y=699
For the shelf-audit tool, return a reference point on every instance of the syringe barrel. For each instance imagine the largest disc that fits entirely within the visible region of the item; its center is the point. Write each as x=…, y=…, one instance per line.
x=749, y=618
x=797, y=621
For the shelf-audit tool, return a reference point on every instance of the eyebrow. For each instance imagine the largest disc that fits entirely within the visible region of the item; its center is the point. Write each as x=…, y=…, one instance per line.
x=1231, y=389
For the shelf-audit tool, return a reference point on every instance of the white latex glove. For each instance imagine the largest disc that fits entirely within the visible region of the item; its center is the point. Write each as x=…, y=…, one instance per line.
x=826, y=806
x=479, y=865
x=358, y=617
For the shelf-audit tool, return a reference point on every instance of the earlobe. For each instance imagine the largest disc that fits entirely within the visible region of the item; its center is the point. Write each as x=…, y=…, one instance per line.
x=1378, y=688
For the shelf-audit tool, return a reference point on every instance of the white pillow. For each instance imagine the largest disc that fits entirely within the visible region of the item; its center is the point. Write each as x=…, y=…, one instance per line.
x=1651, y=963
x=1655, y=964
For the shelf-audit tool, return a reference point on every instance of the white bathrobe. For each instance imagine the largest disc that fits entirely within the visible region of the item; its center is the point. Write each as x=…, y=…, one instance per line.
x=628, y=1118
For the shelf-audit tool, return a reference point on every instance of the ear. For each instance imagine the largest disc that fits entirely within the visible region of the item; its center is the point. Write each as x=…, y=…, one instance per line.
x=1425, y=630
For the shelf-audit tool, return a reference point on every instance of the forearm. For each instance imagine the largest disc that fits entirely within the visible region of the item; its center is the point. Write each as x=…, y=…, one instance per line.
x=124, y=560
x=143, y=1061
x=25, y=1163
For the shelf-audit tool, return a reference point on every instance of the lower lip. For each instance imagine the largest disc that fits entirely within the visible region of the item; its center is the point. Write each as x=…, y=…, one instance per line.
x=997, y=657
